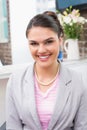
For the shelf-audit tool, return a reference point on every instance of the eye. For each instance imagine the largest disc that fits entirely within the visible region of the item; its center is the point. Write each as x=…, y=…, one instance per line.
x=49, y=41
x=33, y=43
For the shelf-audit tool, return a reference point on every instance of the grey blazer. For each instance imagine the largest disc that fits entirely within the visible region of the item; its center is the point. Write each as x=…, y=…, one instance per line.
x=70, y=111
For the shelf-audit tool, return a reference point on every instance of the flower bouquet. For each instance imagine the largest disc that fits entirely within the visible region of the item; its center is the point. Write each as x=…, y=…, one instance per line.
x=71, y=22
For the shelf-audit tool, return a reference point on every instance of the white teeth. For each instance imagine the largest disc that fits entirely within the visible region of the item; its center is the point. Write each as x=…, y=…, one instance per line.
x=43, y=57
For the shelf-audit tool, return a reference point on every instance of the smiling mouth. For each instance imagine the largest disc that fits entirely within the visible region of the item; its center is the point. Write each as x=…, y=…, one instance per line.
x=44, y=57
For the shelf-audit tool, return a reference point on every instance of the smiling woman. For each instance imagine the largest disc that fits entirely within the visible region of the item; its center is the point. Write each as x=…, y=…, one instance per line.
x=46, y=94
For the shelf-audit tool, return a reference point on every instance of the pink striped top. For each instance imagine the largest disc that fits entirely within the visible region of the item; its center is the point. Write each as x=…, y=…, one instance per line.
x=45, y=103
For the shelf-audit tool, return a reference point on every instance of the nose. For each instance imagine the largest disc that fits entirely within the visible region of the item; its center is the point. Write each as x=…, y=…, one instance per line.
x=41, y=48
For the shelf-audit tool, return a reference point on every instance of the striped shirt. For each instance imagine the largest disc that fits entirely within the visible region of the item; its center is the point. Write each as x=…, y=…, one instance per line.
x=45, y=103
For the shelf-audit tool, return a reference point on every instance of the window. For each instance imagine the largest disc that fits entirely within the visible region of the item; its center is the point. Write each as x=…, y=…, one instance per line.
x=4, y=33
x=44, y=5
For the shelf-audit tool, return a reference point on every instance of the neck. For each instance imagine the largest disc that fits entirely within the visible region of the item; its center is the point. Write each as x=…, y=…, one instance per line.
x=49, y=70
x=46, y=76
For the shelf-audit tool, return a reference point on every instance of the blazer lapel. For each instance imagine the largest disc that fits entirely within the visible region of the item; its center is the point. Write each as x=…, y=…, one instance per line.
x=63, y=95
x=31, y=96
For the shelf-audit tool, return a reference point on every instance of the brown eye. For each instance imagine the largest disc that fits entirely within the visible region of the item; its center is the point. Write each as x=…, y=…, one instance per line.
x=49, y=41
x=33, y=43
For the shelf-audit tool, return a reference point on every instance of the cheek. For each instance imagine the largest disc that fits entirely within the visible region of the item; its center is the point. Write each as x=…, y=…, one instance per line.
x=56, y=51
x=32, y=51
x=56, y=48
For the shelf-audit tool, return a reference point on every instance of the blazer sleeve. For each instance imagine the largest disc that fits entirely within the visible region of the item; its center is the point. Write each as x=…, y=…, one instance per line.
x=13, y=121
x=81, y=116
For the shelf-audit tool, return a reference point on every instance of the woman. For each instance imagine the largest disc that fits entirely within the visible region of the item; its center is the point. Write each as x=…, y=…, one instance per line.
x=46, y=95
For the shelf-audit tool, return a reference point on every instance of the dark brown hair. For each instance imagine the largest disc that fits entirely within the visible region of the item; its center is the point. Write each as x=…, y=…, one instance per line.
x=47, y=19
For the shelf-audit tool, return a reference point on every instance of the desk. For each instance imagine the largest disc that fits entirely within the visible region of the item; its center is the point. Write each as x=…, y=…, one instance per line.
x=5, y=71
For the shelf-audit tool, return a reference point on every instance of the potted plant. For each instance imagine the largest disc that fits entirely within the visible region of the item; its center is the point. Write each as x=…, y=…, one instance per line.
x=72, y=23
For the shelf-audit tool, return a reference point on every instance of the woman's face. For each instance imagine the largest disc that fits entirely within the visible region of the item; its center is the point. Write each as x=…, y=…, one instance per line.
x=44, y=45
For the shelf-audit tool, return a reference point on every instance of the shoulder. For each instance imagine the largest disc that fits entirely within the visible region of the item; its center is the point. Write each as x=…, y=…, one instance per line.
x=75, y=76
x=69, y=72
x=22, y=71
x=20, y=75
x=74, y=81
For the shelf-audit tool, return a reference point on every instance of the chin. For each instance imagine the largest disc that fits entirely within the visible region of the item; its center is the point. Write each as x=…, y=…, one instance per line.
x=44, y=64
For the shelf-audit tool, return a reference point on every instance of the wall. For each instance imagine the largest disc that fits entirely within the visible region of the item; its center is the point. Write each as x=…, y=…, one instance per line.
x=83, y=40
x=5, y=53
x=20, y=14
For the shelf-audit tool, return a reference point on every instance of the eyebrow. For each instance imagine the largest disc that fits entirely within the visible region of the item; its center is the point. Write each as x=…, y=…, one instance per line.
x=50, y=38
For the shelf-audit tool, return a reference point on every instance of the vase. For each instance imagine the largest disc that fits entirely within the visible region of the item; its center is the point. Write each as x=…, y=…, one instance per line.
x=71, y=48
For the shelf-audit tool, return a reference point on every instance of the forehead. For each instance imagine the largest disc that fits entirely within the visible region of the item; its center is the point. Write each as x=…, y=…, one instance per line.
x=38, y=32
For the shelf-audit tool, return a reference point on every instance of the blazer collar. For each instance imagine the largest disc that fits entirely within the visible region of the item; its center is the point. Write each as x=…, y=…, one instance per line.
x=63, y=95
x=30, y=94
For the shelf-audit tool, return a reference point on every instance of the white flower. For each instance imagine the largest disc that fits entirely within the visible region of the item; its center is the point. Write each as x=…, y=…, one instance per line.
x=75, y=19
x=81, y=20
x=67, y=19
